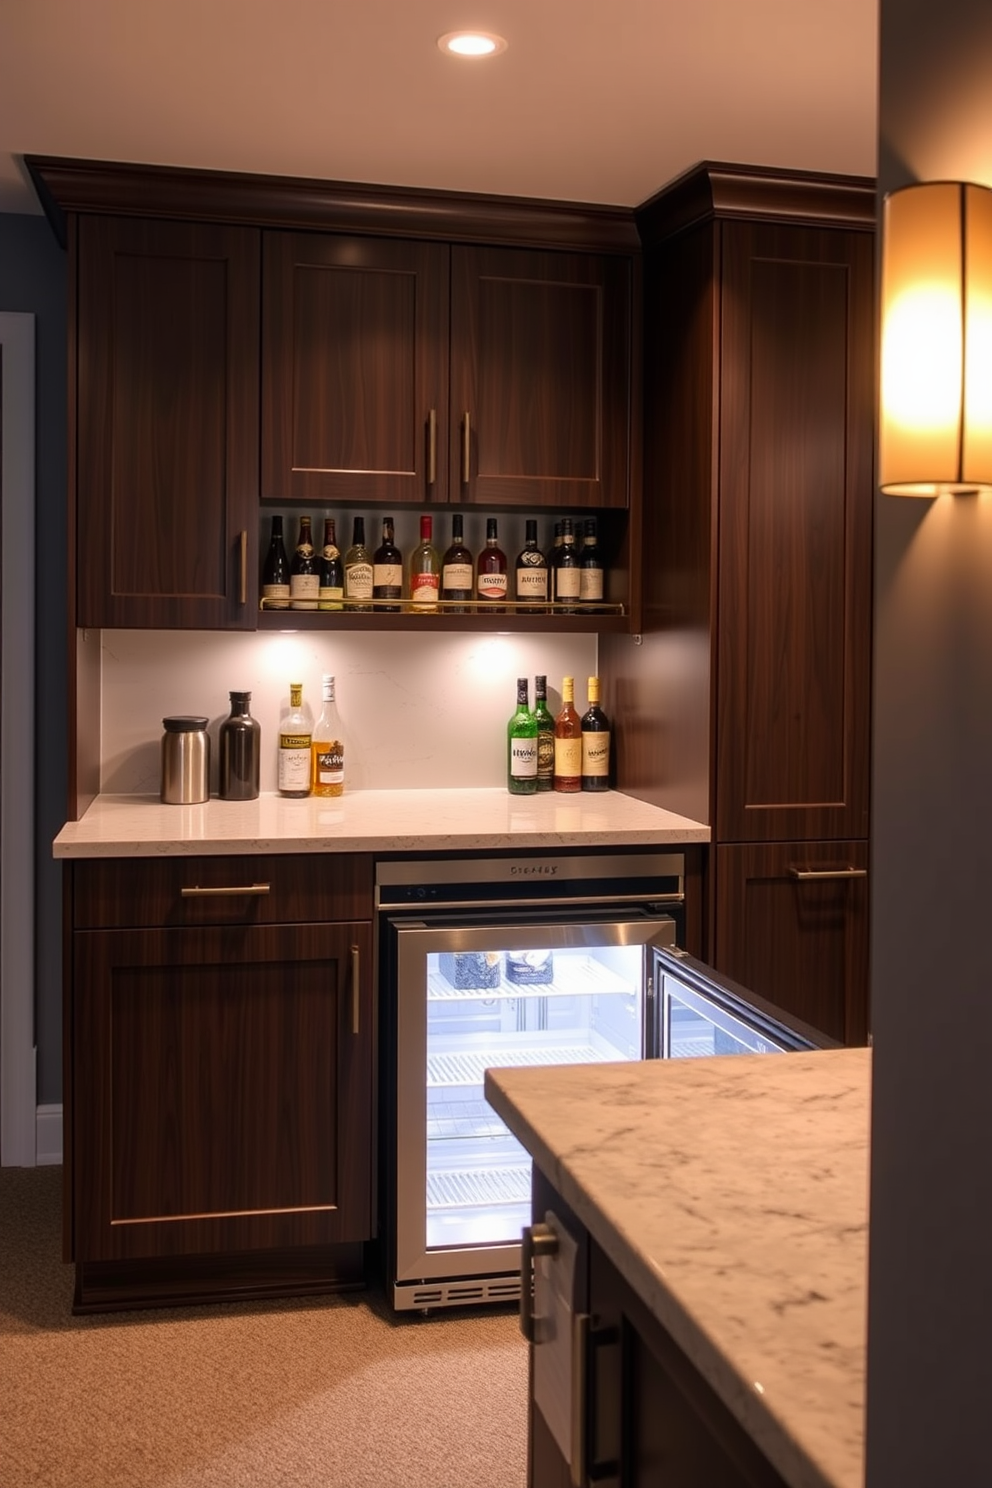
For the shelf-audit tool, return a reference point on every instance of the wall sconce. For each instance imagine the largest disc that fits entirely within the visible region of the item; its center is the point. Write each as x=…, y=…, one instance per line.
x=935, y=426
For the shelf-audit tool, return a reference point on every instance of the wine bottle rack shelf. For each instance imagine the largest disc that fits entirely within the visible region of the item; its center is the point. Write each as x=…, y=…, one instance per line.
x=380, y=614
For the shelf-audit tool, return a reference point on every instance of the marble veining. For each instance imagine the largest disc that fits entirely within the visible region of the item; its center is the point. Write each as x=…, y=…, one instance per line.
x=371, y=821
x=732, y=1194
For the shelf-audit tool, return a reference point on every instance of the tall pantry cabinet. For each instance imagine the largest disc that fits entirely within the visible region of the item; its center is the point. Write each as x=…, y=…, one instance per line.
x=746, y=700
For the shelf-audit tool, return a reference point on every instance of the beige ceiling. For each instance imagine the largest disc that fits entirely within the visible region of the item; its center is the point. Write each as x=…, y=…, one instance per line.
x=594, y=100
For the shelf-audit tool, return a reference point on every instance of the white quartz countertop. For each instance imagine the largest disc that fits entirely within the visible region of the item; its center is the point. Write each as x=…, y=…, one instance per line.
x=371, y=821
x=732, y=1194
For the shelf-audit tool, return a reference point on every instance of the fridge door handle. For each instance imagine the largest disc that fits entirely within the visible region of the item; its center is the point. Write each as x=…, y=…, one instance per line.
x=535, y=1240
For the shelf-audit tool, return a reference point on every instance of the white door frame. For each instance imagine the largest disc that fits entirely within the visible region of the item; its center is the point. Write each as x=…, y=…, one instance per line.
x=18, y=1064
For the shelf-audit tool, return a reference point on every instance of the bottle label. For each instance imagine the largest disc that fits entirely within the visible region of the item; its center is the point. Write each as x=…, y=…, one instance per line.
x=596, y=754
x=358, y=581
x=591, y=583
x=532, y=583
x=545, y=754
x=303, y=591
x=330, y=593
x=294, y=762
x=567, y=583
x=329, y=763
x=458, y=576
x=388, y=576
x=424, y=588
x=276, y=595
x=523, y=759
x=568, y=758
x=330, y=552
x=492, y=586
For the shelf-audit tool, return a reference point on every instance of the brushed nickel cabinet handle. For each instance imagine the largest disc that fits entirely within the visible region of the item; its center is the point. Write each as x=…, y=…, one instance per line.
x=243, y=587
x=804, y=874
x=196, y=892
x=356, y=989
x=432, y=447
x=466, y=449
x=535, y=1240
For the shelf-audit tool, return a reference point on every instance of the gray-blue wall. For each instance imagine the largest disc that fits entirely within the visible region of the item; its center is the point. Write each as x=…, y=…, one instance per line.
x=930, y=1300
x=33, y=279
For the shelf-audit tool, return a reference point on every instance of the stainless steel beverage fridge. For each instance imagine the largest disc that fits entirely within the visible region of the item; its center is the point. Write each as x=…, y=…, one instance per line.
x=536, y=959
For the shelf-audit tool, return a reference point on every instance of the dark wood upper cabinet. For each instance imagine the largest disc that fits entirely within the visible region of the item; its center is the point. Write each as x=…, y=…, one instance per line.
x=354, y=369
x=540, y=378
x=166, y=423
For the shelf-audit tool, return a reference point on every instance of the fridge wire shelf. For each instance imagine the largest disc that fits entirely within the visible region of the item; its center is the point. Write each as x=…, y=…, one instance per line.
x=577, y=978
x=479, y=1187
x=469, y=1067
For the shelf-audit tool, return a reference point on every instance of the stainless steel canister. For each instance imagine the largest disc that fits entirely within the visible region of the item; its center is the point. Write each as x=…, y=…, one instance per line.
x=185, y=761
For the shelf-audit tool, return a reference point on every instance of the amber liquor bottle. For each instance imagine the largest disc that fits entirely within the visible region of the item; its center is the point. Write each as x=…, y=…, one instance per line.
x=568, y=741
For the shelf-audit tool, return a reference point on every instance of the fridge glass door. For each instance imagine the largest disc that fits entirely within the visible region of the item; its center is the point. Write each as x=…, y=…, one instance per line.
x=473, y=997
x=694, y=1025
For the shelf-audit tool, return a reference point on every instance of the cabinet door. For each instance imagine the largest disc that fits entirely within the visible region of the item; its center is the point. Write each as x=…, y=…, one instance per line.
x=354, y=369
x=792, y=925
x=221, y=1087
x=795, y=533
x=167, y=424
x=540, y=378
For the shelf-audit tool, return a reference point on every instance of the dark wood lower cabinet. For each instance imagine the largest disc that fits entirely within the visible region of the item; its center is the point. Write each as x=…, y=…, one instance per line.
x=221, y=1105
x=791, y=923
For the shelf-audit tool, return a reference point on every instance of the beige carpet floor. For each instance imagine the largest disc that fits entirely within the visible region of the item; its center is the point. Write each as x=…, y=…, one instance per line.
x=321, y=1393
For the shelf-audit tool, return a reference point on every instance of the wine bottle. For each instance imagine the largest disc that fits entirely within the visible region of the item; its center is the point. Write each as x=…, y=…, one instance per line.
x=490, y=580
x=595, y=743
x=240, y=762
x=545, y=735
x=304, y=580
x=275, y=571
x=387, y=568
x=425, y=569
x=331, y=571
x=457, y=567
x=358, y=568
x=295, y=735
x=567, y=572
x=568, y=741
x=531, y=586
x=521, y=747
x=590, y=566
x=327, y=746
x=553, y=555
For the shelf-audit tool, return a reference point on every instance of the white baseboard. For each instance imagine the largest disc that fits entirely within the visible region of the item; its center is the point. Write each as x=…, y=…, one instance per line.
x=48, y=1146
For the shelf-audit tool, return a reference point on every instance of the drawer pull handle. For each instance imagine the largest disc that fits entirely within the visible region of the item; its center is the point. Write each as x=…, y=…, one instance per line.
x=196, y=892
x=535, y=1240
x=805, y=874
x=356, y=987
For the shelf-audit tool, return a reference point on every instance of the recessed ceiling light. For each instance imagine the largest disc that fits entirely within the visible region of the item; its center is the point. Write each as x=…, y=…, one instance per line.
x=471, y=43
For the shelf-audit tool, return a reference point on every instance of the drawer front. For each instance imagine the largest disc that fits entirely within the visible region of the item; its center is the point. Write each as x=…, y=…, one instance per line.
x=297, y=888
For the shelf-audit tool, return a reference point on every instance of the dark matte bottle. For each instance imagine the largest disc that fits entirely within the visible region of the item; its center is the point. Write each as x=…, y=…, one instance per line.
x=275, y=571
x=240, y=751
x=331, y=590
x=595, y=743
x=590, y=566
x=457, y=567
x=567, y=572
x=531, y=577
x=304, y=580
x=387, y=568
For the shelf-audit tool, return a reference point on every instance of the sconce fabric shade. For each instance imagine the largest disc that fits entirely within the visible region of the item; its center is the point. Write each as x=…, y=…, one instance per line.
x=935, y=425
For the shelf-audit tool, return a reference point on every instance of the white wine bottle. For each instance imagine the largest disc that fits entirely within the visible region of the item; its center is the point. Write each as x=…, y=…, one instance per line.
x=295, y=737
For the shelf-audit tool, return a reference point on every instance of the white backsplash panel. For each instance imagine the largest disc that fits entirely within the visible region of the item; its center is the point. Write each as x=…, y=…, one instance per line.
x=424, y=710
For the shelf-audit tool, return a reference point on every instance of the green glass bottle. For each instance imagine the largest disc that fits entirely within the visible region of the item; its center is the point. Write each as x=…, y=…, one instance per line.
x=521, y=747
x=545, y=736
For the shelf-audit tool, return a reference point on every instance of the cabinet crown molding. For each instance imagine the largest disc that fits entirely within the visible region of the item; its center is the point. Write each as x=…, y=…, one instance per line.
x=65, y=186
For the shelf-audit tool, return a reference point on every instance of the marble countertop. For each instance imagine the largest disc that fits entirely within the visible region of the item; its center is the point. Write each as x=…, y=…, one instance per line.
x=732, y=1194
x=371, y=821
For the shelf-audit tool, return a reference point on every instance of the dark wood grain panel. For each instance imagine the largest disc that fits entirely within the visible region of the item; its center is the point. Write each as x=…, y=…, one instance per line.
x=222, y=1093
x=795, y=534
x=135, y=892
x=803, y=945
x=354, y=360
x=721, y=190
x=167, y=423
x=540, y=360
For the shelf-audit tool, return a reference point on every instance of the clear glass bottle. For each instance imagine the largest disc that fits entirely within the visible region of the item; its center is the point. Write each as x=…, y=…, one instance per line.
x=490, y=581
x=240, y=752
x=425, y=569
x=545, y=736
x=521, y=747
x=387, y=568
x=595, y=743
x=275, y=571
x=531, y=586
x=590, y=566
x=327, y=746
x=358, y=569
x=457, y=567
x=304, y=580
x=568, y=741
x=331, y=571
x=295, y=735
